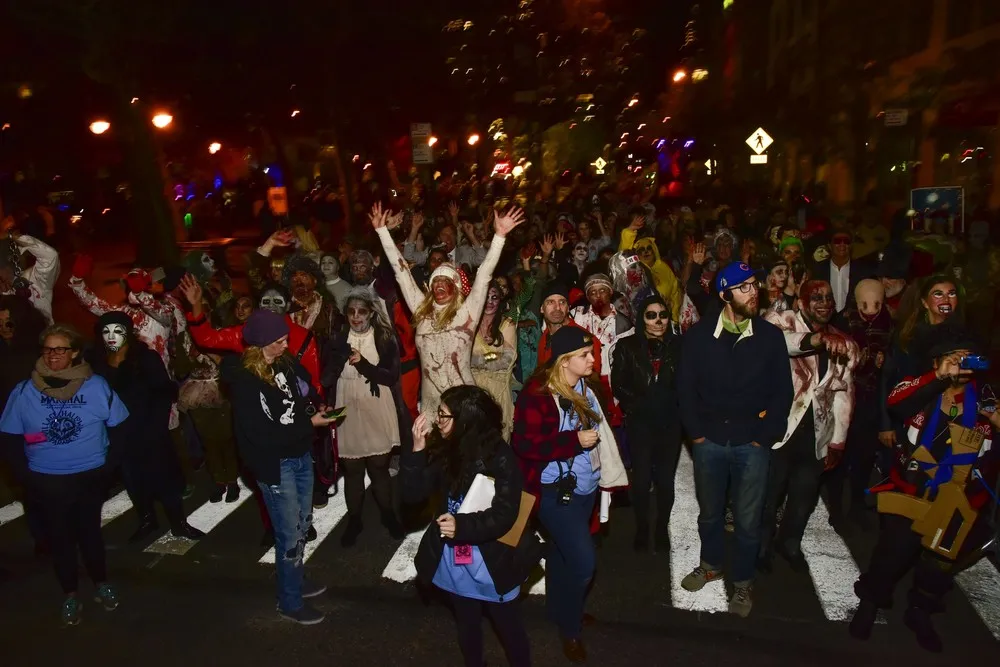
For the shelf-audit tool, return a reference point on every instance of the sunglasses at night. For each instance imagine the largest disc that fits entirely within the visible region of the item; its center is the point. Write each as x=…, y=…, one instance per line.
x=657, y=315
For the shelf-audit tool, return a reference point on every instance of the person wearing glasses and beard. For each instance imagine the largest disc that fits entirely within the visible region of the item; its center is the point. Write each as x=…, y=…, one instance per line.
x=735, y=389
x=644, y=380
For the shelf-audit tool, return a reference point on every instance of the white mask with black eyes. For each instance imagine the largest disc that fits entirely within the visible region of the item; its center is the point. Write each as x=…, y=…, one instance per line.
x=274, y=301
x=208, y=263
x=114, y=336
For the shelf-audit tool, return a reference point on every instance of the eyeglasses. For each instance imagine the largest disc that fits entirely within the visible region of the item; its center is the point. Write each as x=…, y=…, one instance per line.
x=56, y=351
x=442, y=416
x=657, y=315
x=362, y=312
x=745, y=288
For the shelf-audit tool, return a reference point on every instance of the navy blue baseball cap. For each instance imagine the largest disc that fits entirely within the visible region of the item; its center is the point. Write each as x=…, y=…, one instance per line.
x=731, y=275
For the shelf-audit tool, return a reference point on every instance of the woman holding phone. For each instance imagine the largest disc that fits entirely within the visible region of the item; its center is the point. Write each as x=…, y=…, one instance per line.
x=460, y=552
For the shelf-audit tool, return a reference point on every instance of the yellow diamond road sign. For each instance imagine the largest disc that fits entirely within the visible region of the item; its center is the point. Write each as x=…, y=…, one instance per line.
x=759, y=141
x=600, y=163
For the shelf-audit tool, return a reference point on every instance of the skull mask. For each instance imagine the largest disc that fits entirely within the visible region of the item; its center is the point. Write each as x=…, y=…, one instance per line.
x=208, y=263
x=274, y=301
x=114, y=336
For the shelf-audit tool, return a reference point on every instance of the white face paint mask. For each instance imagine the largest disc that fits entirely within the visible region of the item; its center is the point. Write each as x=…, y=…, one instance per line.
x=114, y=336
x=208, y=263
x=274, y=301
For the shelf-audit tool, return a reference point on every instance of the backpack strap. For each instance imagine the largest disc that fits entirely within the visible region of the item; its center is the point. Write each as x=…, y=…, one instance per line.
x=305, y=346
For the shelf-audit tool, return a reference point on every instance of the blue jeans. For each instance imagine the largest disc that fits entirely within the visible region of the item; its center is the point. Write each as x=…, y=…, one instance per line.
x=570, y=560
x=289, y=504
x=742, y=471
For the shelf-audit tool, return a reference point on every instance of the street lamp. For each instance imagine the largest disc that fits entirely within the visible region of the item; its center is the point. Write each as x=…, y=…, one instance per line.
x=214, y=147
x=473, y=139
x=162, y=120
x=431, y=141
x=680, y=75
x=100, y=126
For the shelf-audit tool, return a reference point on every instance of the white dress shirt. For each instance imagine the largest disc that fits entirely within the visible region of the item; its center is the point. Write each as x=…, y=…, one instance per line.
x=840, y=282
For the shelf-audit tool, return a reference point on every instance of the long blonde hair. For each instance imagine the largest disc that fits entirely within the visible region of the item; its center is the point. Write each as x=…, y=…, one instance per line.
x=253, y=361
x=556, y=383
x=425, y=311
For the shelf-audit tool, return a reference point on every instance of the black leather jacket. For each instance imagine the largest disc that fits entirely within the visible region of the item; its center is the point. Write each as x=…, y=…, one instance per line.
x=639, y=393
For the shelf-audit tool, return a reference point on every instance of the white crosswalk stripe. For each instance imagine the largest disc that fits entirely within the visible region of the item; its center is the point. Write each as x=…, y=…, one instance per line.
x=981, y=585
x=205, y=518
x=114, y=507
x=10, y=512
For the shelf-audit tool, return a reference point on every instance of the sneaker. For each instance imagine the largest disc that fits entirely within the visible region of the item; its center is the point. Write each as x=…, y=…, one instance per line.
x=742, y=601
x=730, y=520
x=700, y=576
x=311, y=589
x=216, y=495
x=71, y=610
x=307, y=615
x=108, y=596
x=232, y=492
x=919, y=621
x=864, y=619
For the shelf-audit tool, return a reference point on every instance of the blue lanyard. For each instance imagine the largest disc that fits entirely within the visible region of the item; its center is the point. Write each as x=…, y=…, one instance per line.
x=945, y=466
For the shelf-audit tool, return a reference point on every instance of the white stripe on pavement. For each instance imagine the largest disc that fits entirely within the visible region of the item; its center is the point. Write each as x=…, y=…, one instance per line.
x=205, y=518
x=831, y=566
x=10, y=512
x=685, y=545
x=114, y=507
x=981, y=584
x=324, y=521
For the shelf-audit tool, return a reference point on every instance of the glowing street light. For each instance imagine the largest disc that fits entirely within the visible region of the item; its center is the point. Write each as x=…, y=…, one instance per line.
x=473, y=139
x=162, y=120
x=632, y=102
x=214, y=147
x=295, y=113
x=432, y=140
x=100, y=126
x=680, y=75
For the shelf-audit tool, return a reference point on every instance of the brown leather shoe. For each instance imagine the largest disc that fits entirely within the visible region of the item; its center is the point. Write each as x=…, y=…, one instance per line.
x=574, y=651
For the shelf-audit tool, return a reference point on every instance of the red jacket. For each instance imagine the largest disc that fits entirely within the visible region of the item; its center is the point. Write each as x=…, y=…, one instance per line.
x=537, y=439
x=230, y=339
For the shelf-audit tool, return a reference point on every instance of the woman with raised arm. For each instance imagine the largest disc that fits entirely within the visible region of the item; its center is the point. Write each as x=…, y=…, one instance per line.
x=445, y=323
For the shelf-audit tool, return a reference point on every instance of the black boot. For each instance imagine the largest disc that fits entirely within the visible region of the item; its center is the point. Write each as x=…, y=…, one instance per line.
x=661, y=540
x=185, y=529
x=216, y=495
x=864, y=619
x=350, y=536
x=919, y=621
x=391, y=524
x=147, y=527
x=311, y=533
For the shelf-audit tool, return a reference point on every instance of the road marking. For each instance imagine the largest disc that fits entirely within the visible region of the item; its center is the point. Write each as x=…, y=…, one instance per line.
x=324, y=521
x=685, y=546
x=980, y=584
x=10, y=512
x=831, y=566
x=205, y=518
x=114, y=507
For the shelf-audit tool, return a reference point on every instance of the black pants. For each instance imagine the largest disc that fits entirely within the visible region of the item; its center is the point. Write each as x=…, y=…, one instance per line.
x=71, y=507
x=354, y=483
x=655, y=450
x=859, y=459
x=795, y=471
x=154, y=474
x=507, y=621
x=897, y=552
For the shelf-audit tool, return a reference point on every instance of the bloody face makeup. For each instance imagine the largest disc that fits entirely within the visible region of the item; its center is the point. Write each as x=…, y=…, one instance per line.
x=114, y=336
x=492, y=301
x=821, y=305
x=941, y=302
x=362, y=265
x=359, y=315
x=443, y=290
x=303, y=284
x=777, y=279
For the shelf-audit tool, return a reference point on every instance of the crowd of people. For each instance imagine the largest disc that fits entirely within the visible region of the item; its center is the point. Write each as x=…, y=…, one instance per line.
x=568, y=353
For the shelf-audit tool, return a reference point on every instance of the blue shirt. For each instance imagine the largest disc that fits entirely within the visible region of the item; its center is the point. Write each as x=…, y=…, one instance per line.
x=587, y=479
x=469, y=581
x=63, y=437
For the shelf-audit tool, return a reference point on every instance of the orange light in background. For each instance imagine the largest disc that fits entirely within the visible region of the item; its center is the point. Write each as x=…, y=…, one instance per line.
x=632, y=102
x=473, y=139
x=295, y=112
x=680, y=75
x=100, y=126
x=162, y=120
x=214, y=147
x=431, y=141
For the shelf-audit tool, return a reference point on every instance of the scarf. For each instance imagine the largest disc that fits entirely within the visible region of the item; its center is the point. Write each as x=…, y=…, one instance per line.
x=60, y=385
x=734, y=327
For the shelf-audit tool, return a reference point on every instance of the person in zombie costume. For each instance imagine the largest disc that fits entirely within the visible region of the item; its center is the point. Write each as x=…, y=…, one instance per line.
x=336, y=286
x=35, y=282
x=150, y=466
x=631, y=278
x=777, y=280
x=822, y=367
x=445, y=321
x=310, y=308
x=936, y=506
x=869, y=324
x=495, y=353
x=262, y=267
x=665, y=281
x=217, y=288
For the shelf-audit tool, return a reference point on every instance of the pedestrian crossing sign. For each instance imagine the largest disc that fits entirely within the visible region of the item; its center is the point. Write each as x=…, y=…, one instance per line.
x=759, y=141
